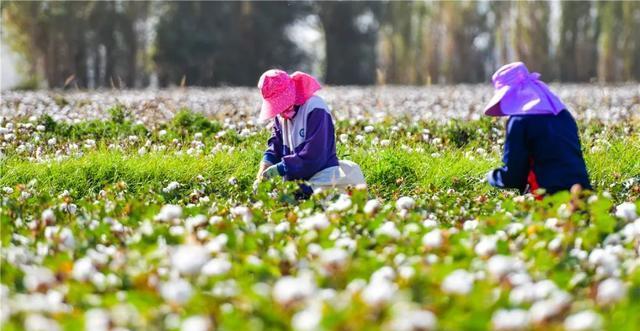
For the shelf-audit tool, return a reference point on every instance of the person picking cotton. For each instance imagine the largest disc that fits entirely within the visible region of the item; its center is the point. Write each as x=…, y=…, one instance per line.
x=302, y=145
x=542, y=147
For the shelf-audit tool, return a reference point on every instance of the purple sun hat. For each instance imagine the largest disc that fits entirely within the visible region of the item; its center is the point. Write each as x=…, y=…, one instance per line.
x=519, y=92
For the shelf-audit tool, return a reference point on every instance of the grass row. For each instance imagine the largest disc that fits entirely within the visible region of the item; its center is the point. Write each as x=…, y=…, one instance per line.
x=389, y=171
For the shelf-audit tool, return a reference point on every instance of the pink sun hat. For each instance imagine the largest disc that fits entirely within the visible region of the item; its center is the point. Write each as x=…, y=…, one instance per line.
x=518, y=92
x=281, y=91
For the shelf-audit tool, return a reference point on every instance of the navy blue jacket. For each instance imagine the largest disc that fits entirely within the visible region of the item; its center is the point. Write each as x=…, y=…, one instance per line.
x=549, y=146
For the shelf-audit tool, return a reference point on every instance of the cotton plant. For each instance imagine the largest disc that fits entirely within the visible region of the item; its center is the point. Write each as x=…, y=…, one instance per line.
x=202, y=252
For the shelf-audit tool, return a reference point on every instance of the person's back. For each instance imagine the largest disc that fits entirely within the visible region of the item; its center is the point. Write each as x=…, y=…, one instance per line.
x=553, y=151
x=542, y=147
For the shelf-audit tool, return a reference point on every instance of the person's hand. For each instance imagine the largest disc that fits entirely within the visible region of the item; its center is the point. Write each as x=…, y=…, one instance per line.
x=263, y=166
x=255, y=185
x=270, y=172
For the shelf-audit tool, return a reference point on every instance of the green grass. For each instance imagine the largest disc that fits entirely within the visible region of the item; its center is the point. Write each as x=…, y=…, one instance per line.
x=389, y=171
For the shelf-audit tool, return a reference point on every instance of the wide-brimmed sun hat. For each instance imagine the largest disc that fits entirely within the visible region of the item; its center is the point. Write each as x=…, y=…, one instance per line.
x=281, y=91
x=518, y=92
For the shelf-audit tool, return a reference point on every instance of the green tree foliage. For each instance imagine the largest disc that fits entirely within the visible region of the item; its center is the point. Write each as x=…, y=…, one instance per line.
x=609, y=14
x=403, y=27
x=631, y=40
x=351, y=32
x=531, y=39
x=462, y=59
x=86, y=43
x=219, y=43
x=578, y=42
x=121, y=43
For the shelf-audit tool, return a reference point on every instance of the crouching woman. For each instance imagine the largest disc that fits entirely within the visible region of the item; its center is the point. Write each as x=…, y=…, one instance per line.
x=302, y=145
x=542, y=146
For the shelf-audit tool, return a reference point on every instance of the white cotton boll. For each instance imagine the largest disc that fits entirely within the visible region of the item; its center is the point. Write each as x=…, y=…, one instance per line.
x=177, y=230
x=333, y=259
x=611, y=291
x=388, y=229
x=290, y=290
x=433, y=239
x=514, y=229
x=99, y=281
x=169, y=213
x=96, y=319
x=406, y=272
x=83, y=269
x=195, y=222
x=385, y=273
x=282, y=227
x=36, y=322
x=604, y=261
x=500, y=266
x=486, y=247
x=314, y=249
x=470, y=225
x=521, y=294
x=543, y=289
x=196, y=323
x=378, y=292
x=583, y=321
x=555, y=244
x=552, y=224
x=356, y=285
x=343, y=203
x=405, y=203
x=315, y=222
x=544, y=310
x=189, y=259
x=215, y=220
x=347, y=243
x=632, y=230
x=308, y=319
x=162, y=133
x=458, y=282
x=368, y=129
x=37, y=277
x=371, y=206
x=171, y=187
x=432, y=259
x=344, y=138
x=67, y=240
x=510, y=320
x=202, y=234
x=243, y=212
x=216, y=267
x=414, y=320
x=178, y=291
x=290, y=252
x=48, y=216
x=627, y=211
x=429, y=223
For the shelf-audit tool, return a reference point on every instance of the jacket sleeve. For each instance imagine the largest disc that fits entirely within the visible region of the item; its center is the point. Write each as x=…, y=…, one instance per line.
x=273, y=154
x=312, y=153
x=516, y=158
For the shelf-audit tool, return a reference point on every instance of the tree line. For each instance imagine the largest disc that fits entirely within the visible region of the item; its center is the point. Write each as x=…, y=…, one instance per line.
x=94, y=44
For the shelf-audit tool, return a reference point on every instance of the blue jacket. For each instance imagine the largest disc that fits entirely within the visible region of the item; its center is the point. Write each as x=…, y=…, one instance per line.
x=547, y=145
x=317, y=152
